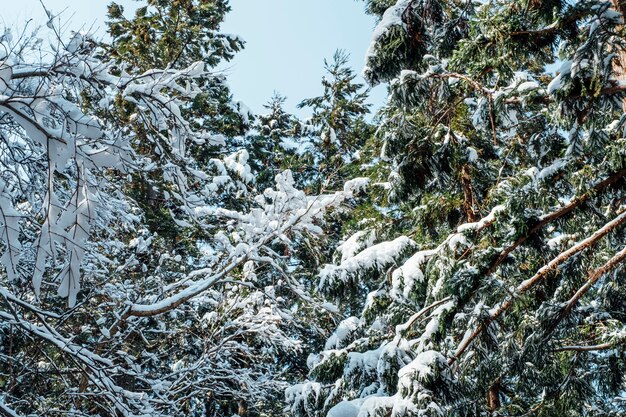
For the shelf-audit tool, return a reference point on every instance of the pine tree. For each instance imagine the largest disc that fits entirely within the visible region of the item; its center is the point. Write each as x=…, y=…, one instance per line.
x=337, y=126
x=176, y=34
x=500, y=295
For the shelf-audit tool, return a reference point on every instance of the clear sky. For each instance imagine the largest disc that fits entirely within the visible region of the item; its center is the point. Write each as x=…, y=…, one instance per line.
x=286, y=40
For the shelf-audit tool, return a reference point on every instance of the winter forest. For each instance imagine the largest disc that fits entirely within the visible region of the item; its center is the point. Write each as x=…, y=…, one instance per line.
x=461, y=251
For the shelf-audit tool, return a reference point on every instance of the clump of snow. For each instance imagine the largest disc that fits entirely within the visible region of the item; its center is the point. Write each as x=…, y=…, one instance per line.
x=356, y=185
x=409, y=273
x=457, y=239
x=375, y=257
x=361, y=364
x=302, y=395
x=422, y=367
x=557, y=81
x=244, y=111
x=375, y=406
x=528, y=86
x=552, y=169
x=346, y=409
x=342, y=334
x=490, y=218
x=238, y=163
x=355, y=243
x=330, y=135
x=472, y=155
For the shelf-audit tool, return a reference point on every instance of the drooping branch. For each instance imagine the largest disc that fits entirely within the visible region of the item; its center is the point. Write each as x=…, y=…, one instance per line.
x=613, y=263
x=563, y=211
x=525, y=286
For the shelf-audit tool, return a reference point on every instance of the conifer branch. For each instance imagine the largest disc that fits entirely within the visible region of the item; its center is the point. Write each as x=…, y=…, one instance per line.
x=603, y=346
x=551, y=29
x=543, y=272
x=563, y=211
x=613, y=263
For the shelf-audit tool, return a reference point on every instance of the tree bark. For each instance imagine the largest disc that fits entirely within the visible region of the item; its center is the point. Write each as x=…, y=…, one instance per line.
x=620, y=64
x=493, y=397
x=468, y=193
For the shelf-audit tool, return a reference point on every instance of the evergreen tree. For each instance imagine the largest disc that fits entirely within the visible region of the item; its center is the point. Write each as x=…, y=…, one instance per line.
x=276, y=144
x=176, y=34
x=337, y=126
x=103, y=312
x=499, y=296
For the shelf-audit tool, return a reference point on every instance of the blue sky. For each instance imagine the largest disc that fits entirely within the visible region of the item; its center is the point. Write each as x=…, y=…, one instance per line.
x=286, y=41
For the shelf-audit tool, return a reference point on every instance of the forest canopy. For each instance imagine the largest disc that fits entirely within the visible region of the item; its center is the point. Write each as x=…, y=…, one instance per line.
x=164, y=251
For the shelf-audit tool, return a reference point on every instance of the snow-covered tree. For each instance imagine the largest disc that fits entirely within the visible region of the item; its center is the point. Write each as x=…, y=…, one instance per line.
x=276, y=143
x=99, y=315
x=500, y=295
x=337, y=126
x=175, y=34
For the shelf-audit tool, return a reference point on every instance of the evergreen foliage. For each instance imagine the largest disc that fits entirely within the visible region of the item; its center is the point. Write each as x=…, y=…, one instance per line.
x=337, y=127
x=496, y=295
x=144, y=269
x=166, y=253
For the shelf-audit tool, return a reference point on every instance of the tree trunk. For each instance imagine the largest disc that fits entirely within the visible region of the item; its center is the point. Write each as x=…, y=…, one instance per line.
x=468, y=194
x=620, y=67
x=493, y=397
x=242, y=409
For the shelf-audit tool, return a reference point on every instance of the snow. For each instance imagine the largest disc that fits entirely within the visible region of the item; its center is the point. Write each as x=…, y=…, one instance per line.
x=298, y=146
x=362, y=363
x=392, y=17
x=356, y=185
x=552, y=169
x=374, y=257
x=405, y=277
x=457, y=239
x=558, y=240
x=355, y=243
x=297, y=395
x=409, y=273
x=343, y=333
x=557, y=81
x=472, y=155
x=490, y=218
x=421, y=367
x=425, y=340
x=346, y=409
x=528, y=86
x=238, y=163
x=6, y=410
x=330, y=135
x=374, y=406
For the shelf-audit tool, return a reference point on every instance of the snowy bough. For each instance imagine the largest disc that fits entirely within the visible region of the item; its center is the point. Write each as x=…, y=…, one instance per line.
x=97, y=315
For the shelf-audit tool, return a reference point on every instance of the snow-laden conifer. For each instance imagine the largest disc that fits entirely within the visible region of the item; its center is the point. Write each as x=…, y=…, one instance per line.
x=505, y=134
